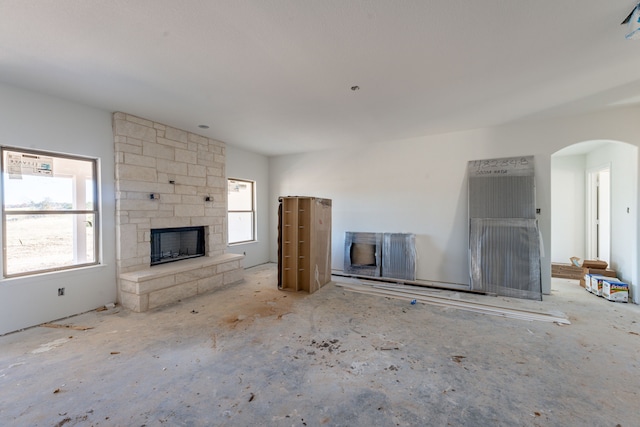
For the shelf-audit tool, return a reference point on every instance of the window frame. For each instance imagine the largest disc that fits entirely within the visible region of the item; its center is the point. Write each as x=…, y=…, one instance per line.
x=95, y=211
x=252, y=211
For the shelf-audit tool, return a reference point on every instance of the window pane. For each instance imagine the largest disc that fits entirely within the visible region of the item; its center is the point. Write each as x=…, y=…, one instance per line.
x=43, y=242
x=240, y=195
x=44, y=182
x=240, y=227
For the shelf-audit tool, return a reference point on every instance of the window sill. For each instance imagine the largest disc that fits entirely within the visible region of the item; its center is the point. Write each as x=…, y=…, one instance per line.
x=45, y=275
x=231, y=245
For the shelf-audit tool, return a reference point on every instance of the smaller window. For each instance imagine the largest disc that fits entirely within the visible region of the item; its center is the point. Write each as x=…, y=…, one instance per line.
x=242, y=211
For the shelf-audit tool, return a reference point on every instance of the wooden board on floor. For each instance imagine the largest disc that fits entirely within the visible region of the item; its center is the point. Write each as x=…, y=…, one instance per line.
x=566, y=271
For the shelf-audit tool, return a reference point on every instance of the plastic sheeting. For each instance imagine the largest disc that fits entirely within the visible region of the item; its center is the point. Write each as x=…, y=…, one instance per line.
x=504, y=240
x=505, y=257
x=391, y=255
x=399, y=256
x=356, y=259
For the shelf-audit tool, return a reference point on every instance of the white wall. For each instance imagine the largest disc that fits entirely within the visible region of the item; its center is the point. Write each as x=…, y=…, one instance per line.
x=243, y=164
x=419, y=185
x=624, y=196
x=568, y=208
x=31, y=120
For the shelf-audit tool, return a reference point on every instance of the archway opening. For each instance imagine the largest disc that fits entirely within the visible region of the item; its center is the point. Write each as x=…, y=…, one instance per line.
x=594, y=200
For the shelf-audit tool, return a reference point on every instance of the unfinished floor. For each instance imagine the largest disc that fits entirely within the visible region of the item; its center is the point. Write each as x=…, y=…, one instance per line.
x=249, y=355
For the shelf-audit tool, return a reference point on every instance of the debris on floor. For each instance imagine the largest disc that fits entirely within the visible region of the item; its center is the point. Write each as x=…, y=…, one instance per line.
x=61, y=326
x=411, y=293
x=49, y=346
x=389, y=346
x=458, y=359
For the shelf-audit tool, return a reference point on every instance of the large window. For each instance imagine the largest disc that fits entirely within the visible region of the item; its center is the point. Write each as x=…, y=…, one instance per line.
x=49, y=212
x=241, y=211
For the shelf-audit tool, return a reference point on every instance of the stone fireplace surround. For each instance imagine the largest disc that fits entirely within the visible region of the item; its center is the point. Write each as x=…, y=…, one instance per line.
x=185, y=173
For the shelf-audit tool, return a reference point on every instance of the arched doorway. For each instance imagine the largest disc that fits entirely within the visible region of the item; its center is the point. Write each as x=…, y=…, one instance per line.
x=594, y=199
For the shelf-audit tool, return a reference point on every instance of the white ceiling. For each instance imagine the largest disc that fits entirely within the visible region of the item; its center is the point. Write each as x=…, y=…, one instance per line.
x=274, y=76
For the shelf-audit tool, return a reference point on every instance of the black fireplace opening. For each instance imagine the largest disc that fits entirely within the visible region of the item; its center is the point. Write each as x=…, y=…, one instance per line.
x=175, y=244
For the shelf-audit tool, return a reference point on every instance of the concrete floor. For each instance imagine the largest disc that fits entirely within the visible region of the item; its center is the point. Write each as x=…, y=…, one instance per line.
x=250, y=355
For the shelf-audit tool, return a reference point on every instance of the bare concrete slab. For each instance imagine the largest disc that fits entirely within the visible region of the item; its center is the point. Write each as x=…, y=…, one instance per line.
x=249, y=354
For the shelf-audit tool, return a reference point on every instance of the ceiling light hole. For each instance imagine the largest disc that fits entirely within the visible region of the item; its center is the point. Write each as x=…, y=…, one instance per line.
x=203, y=126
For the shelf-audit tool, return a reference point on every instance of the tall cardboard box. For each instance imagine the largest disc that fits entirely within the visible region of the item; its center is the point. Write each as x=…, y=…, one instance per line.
x=304, y=243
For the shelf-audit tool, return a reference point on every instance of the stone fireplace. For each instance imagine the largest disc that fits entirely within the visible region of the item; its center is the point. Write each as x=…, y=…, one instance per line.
x=169, y=179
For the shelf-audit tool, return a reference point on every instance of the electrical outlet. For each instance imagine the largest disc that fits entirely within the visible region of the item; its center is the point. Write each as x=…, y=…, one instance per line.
x=60, y=292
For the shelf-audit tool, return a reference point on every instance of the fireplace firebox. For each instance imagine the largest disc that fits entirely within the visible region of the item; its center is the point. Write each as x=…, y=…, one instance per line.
x=174, y=244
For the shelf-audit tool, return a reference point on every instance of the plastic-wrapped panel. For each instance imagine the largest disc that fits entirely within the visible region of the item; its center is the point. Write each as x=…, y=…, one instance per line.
x=363, y=253
x=504, y=241
x=505, y=257
x=399, y=256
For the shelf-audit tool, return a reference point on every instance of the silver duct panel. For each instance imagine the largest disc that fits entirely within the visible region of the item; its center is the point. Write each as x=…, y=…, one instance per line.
x=504, y=241
x=363, y=253
x=505, y=257
x=399, y=256
x=391, y=255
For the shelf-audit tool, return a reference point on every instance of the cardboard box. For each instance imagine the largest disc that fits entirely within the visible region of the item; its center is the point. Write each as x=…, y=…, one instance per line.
x=615, y=290
x=596, y=283
x=585, y=282
x=601, y=272
x=592, y=263
x=595, y=287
